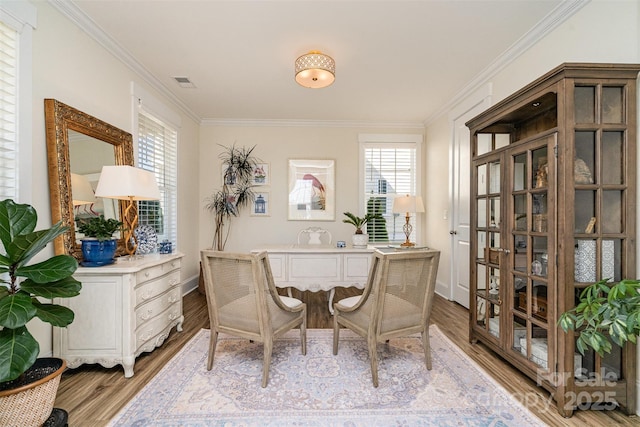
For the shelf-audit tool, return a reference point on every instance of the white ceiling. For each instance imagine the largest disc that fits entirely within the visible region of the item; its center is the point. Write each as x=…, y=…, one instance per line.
x=396, y=61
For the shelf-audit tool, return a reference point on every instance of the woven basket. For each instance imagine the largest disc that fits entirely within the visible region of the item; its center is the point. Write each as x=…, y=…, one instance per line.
x=31, y=405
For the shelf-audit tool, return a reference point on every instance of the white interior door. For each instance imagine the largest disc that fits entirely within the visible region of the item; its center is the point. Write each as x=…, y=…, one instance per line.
x=461, y=200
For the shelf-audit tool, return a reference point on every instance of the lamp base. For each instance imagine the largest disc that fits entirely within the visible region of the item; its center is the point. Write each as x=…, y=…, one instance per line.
x=407, y=244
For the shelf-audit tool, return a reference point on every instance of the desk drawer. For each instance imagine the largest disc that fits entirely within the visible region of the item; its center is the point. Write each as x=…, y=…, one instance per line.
x=156, y=325
x=314, y=266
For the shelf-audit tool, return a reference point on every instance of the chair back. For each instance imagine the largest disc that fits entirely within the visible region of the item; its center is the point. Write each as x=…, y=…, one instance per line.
x=314, y=236
x=402, y=292
x=238, y=296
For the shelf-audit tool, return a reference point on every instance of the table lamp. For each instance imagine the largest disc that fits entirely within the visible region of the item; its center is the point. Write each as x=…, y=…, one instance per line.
x=81, y=191
x=407, y=204
x=130, y=184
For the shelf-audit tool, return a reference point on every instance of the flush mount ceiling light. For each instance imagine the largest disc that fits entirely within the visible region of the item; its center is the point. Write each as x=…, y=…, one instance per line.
x=315, y=70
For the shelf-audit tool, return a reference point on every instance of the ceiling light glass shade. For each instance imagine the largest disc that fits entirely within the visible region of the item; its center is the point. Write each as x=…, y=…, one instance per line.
x=315, y=70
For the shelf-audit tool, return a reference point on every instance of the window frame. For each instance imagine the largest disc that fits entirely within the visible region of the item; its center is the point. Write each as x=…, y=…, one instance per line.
x=393, y=141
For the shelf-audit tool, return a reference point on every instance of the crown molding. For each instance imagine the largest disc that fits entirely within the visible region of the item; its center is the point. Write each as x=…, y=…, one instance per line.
x=89, y=26
x=311, y=123
x=557, y=16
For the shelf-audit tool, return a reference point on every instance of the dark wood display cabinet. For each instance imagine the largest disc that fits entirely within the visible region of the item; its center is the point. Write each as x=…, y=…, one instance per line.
x=553, y=210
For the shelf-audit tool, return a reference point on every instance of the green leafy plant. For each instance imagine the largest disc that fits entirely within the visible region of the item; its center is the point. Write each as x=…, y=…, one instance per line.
x=238, y=165
x=48, y=279
x=98, y=227
x=359, y=222
x=606, y=313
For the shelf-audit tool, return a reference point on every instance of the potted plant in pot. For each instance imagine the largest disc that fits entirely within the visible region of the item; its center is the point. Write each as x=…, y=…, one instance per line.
x=28, y=385
x=98, y=244
x=606, y=314
x=360, y=239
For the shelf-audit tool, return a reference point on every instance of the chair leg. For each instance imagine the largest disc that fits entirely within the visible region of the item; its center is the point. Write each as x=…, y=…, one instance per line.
x=213, y=340
x=336, y=334
x=303, y=334
x=268, y=347
x=427, y=348
x=373, y=356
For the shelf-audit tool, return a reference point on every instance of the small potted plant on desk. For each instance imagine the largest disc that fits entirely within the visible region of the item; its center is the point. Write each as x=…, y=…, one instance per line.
x=606, y=314
x=360, y=239
x=28, y=384
x=98, y=243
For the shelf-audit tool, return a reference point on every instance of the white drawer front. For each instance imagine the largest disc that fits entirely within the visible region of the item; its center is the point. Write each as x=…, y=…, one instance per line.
x=356, y=266
x=151, y=309
x=157, y=271
x=153, y=327
x=314, y=267
x=149, y=290
x=278, y=265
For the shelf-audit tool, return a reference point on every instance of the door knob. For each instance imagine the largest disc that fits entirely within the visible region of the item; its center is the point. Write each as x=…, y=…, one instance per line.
x=453, y=232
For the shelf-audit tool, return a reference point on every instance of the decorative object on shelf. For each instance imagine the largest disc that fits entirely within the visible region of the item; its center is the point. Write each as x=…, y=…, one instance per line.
x=166, y=247
x=408, y=204
x=315, y=70
x=27, y=400
x=606, y=314
x=494, y=285
x=541, y=173
x=147, y=239
x=540, y=223
x=590, y=226
x=98, y=244
x=341, y=244
x=360, y=239
x=238, y=166
x=581, y=174
x=261, y=174
x=585, y=261
x=311, y=190
x=130, y=184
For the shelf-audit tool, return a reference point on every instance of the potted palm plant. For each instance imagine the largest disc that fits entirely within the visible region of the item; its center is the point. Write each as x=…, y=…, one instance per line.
x=360, y=239
x=606, y=314
x=238, y=167
x=98, y=244
x=28, y=385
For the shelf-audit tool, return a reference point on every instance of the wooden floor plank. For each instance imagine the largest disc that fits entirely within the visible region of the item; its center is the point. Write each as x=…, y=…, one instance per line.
x=92, y=395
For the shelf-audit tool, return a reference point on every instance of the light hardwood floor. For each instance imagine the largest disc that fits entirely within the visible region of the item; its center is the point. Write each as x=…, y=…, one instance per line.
x=92, y=395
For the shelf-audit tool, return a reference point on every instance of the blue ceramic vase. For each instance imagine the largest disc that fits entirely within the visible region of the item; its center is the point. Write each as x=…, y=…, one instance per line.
x=97, y=253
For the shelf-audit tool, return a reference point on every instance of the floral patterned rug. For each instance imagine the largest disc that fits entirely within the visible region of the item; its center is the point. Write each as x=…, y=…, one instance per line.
x=321, y=389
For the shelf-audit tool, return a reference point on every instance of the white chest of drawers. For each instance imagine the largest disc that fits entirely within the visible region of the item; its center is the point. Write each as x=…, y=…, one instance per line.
x=123, y=310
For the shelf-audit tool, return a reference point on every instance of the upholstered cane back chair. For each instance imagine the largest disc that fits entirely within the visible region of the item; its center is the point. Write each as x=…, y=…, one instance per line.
x=396, y=302
x=243, y=301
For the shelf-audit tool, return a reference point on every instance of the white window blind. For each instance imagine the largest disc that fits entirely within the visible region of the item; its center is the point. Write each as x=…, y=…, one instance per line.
x=390, y=170
x=157, y=152
x=8, y=112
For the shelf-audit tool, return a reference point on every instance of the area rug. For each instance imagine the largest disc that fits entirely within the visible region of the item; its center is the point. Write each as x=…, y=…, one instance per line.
x=321, y=389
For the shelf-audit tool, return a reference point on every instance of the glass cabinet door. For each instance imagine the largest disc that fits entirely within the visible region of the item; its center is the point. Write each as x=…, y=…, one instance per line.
x=532, y=170
x=489, y=221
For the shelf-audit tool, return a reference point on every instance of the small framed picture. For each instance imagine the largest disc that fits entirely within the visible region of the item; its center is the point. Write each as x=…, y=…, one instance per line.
x=260, y=205
x=261, y=174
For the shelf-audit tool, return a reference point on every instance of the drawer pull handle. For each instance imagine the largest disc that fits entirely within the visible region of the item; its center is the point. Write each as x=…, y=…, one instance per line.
x=173, y=316
x=147, y=315
x=173, y=299
x=146, y=273
x=173, y=281
x=146, y=294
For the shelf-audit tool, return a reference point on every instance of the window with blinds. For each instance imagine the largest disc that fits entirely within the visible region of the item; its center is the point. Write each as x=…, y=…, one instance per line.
x=157, y=152
x=8, y=112
x=389, y=171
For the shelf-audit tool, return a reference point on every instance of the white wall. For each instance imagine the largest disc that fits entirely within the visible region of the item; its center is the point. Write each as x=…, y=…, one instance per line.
x=602, y=31
x=71, y=67
x=276, y=145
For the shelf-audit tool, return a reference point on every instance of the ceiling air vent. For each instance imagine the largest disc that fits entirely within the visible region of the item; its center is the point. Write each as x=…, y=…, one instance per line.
x=184, y=82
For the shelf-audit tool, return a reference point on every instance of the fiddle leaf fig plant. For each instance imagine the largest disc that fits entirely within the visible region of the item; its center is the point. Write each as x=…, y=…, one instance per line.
x=606, y=314
x=21, y=284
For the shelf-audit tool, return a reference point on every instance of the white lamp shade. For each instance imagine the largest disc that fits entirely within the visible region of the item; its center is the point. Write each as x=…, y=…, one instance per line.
x=81, y=191
x=127, y=183
x=404, y=204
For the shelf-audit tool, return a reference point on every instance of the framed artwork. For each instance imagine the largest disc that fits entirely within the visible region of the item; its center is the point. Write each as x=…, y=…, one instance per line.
x=260, y=206
x=261, y=174
x=312, y=190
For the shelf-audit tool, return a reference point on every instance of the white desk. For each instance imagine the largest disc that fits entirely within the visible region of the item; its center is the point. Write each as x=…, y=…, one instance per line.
x=318, y=267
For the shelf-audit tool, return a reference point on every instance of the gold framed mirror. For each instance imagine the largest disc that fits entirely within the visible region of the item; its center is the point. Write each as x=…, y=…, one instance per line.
x=79, y=145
